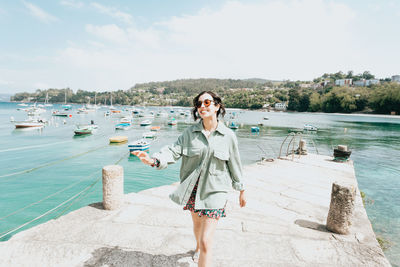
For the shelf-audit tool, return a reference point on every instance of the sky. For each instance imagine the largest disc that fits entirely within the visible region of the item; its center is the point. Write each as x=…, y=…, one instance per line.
x=111, y=45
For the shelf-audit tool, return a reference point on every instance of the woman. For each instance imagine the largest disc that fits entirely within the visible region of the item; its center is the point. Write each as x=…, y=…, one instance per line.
x=210, y=167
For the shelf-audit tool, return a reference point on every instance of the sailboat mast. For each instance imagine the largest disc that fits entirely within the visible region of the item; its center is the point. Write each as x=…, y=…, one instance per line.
x=65, y=101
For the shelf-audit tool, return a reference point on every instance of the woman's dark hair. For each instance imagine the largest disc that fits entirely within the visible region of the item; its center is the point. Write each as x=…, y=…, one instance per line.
x=217, y=101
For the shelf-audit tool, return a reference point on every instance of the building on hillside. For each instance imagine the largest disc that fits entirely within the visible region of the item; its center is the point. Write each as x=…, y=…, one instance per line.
x=396, y=78
x=344, y=82
x=371, y=82
x=280, y=106
x=305, y=85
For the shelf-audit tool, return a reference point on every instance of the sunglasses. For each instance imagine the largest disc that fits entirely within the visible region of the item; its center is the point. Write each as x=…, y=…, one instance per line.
x=206, y=102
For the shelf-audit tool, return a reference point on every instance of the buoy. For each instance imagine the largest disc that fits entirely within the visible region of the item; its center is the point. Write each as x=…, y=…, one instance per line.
x=70, y=115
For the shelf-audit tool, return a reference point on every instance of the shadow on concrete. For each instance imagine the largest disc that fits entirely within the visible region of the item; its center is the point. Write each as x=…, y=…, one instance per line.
x=312, y=225
x=118, y=257
x=97, y=205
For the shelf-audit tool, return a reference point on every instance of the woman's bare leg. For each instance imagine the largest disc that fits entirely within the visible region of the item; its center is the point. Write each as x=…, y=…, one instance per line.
x=196, y=229
x=206, y=239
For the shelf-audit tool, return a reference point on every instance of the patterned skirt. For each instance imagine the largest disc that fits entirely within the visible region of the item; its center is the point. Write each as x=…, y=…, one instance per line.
x=214, y=213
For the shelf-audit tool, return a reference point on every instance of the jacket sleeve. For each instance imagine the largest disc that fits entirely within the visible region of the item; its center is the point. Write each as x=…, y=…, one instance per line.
x=170, y=154
x=235, y=165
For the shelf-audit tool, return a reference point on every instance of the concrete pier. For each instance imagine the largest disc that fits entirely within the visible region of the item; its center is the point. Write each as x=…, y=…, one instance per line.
x=282, y=225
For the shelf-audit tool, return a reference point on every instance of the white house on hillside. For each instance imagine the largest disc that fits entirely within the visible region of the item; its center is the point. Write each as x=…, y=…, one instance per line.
x=396, y=78
x=343, y=82
x=280, y=106
x=364, y=82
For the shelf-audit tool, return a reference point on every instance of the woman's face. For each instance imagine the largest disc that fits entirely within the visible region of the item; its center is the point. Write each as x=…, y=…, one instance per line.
x=211, y=110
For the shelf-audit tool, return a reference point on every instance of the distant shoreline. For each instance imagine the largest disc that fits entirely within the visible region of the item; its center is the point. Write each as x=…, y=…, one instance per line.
x=259, y=110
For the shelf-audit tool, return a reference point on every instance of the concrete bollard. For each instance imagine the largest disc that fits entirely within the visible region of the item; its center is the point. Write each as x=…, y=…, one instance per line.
x=113, y=187
x=341, y=208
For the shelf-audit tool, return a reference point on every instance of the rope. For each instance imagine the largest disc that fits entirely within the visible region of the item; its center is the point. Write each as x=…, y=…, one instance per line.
x=51, y=163
x=78, y=199
x=27, y=147
x=44, y=214
x=37, y=202
x=80, y=194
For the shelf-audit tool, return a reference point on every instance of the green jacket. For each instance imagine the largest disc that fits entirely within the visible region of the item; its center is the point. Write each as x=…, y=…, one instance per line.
x=215, y=161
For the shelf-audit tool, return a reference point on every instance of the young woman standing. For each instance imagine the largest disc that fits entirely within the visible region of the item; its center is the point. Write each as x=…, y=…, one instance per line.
x=210, y=168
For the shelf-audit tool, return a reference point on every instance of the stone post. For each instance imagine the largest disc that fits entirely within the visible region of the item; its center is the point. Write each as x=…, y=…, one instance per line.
x=341, y=208
x=113, y=187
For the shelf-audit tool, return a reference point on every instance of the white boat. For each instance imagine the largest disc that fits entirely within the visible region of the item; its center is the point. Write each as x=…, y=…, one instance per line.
x=150, y=135
x=139, y=145
x=60, y=114
x=46, y=101
x=124, y=124
x=233, y=125
x=309, y=127
x=85, y=129
x=23, y=105
x=162, y=114
x=145, y=123
x=172, y=122
x=30, y=123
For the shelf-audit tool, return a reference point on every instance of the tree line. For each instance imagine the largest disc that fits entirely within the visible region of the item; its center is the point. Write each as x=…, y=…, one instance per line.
x=247, y=94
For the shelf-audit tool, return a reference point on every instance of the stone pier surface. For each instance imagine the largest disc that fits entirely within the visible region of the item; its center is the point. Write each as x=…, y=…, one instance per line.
x=283, y=224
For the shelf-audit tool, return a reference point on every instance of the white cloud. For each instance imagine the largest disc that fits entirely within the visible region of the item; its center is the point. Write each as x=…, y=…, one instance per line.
x=3, y=82
x=71, y=3
x=113, y=12
x=288, y=39
x=111, y=33
x=39, y=13
x=298, y=39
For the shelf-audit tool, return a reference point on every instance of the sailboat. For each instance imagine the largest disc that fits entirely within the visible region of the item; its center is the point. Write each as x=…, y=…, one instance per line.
x=46, y=101
x=65, y=106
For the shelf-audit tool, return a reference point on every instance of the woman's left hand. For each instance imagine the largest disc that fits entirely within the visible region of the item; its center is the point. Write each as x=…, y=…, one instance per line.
x=242, y=199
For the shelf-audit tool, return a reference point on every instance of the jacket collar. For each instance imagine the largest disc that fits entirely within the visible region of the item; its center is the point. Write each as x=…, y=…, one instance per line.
x=221, y=128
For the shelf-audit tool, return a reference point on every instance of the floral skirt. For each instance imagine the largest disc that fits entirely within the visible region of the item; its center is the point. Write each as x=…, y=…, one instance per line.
x=214, y=213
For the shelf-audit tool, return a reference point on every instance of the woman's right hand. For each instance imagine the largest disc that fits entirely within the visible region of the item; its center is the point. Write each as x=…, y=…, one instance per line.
x=144, y=157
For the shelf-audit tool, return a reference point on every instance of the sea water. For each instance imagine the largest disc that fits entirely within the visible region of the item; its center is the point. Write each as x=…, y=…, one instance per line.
x=48, y=172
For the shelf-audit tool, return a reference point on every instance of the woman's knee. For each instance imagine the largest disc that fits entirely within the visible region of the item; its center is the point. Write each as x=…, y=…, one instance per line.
x=205, y=244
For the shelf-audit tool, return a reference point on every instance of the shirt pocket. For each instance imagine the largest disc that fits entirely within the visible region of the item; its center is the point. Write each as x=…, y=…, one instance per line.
x=218, y=162
x=191, y=152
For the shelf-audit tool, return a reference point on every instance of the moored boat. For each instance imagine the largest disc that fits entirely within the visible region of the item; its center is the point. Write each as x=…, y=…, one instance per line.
x=172, y=122
x=233, y=125
x=145, y=123
x=309, y=127
x=155, y=128
x=84, y=129
x=255, y=129
x=139, y=145
x=118, y=139
x=150, y=135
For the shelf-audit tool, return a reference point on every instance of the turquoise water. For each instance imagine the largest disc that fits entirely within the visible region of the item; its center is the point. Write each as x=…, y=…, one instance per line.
x=44, y=168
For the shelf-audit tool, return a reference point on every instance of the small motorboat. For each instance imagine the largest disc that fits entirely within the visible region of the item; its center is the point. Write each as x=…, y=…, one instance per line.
x=155, y=128
x=118, y=139
x=84, y=129
x=150, y=135
x=124, y=124
x=309, y=127
x=58, y=113
x=139, y=145
x=255, y=129
x=145, y=123
x=172, y=122
x=29, y=124
x=233, y=126
x=266, y=118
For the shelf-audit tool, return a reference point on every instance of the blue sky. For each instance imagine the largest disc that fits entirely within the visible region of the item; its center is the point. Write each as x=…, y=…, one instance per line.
x=111, y=45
